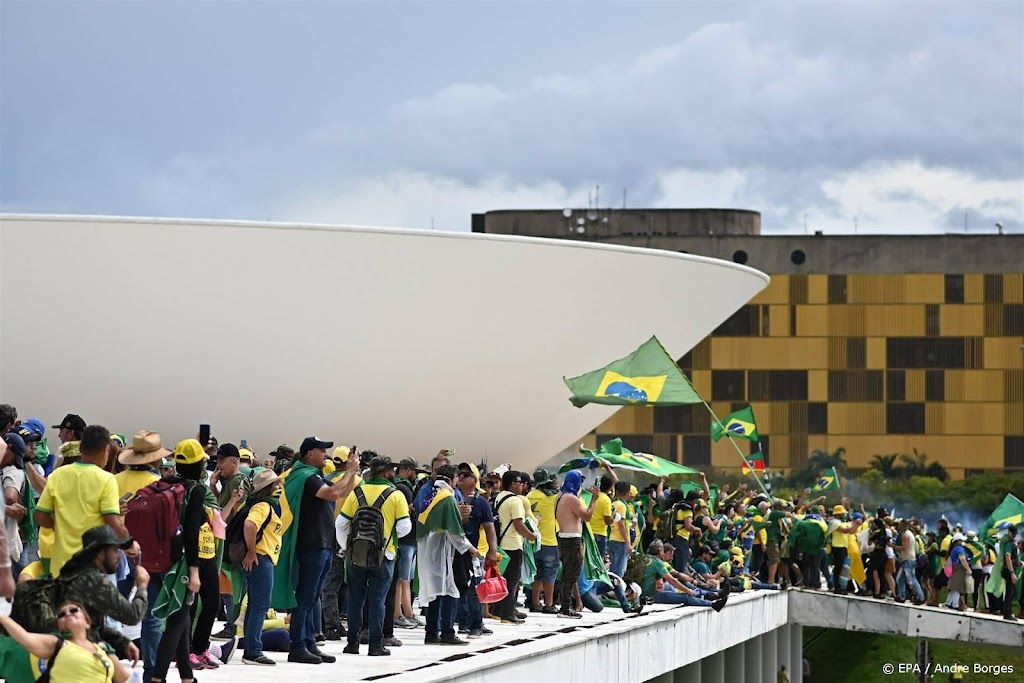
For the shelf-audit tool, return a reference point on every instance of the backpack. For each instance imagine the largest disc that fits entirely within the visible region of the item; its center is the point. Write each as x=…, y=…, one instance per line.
x=154, y=521
x=667, y=522
x=35, y=604
x=635, y=566
x=366, y=541
x=234, y=536
x=494, y=513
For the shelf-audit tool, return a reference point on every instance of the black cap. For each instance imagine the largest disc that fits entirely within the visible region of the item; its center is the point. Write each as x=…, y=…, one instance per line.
x=228, y=450
x=102, y=536
x=411, y=464
x=313, y=442
x=380, y=463
x=73, y=422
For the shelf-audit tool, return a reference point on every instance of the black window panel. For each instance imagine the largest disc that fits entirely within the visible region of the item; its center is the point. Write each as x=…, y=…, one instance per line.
x=1013, y=320
x=686, y=362
x=745, y=322
x=817, y=418
x=761, y=446
x=792, y=321
x=974, y=350
x=797, y=418
x=856, y=385
x=954, y=288
x=673, y=419
x=935, y=385
x=673, y=450
x=837, y=289
x=696, y=450
x=932, y=320
x=766, y=326
x=728, y=385
x=925, y=352
x=993, y=289
x=478, y=222
x=638, y=443
x=856, y=352
x=1013, y=451
x=904, y=418
x=758, y=385
x=701, y=421
x=787, y=385
x=896, y=385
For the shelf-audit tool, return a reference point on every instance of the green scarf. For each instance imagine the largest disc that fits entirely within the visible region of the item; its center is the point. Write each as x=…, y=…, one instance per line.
x=285, y=572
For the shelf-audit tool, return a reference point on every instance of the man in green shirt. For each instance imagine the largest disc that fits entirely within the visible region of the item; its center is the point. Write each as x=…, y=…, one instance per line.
x=775, y=520
x=808, y=537
x=228, y=482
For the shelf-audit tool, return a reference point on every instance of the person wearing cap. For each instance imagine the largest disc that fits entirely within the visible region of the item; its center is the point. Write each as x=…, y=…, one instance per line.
x=332, y=598
x=1004, y=577
x=371, y=587
x=228, y=483
x=470, y=614
x=307, y=542
x=70, y=428
x=958, y=581
x=80, y=496
x=33, y=433
x=542, y=503
x=85, y=579
x=405, y=569
x=262, y=533
x=838, y=532
x=284, y=456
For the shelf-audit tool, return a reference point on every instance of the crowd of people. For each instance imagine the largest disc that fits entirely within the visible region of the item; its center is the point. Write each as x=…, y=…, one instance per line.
x=118, y=550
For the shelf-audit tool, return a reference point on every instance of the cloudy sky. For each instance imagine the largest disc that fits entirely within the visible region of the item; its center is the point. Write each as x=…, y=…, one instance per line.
x=896, y=117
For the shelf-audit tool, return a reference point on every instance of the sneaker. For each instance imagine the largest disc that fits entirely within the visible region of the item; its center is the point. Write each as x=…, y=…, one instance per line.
x=474, y=633
x=226, y=650
x=431, y=640
x=261, y=660
x=402, y=622
x=719, y=604
x=419, y=623
x=364, y=637
x=351, y=649
x=227, y=633
x=209, y=660
x=453, y=640
x=463, y=630
x=196, y=663
x=535, y=609
x=513, y=620
x=486, y=631
x=520, y=615
x=569, y=614
x=324, y=657
x=303, y=656
x=379, y=651
x=392, y=642
x=1010, y=617
x=550, y=610
x=320, y=640
x=335, y=632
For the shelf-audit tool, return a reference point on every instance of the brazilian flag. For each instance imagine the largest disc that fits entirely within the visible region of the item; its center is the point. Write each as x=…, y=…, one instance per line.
x=648, y=376
x=740, y=424
x=1010, y=510
x=828, y=481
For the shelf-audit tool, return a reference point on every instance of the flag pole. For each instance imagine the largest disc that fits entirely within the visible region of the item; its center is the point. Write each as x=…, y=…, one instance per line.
x=738, y=451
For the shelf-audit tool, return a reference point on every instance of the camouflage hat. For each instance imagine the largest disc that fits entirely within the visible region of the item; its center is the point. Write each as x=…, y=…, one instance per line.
x=99, y=537
x=541, y=477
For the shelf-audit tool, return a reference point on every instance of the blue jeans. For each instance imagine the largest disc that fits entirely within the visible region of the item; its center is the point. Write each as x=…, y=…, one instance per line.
x=907, y=574
x=681, y=557
x=674, y=598
x=470, y=614
x=618, y=556
x=368, y=586
x=260, y=580
x=309, y=581
x=602, y=543
x=600, y=588
x=152, y=628
x=441, y=616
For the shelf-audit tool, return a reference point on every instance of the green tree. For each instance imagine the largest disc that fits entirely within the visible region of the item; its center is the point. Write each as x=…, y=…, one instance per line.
x=820, y=460
x=886, y=464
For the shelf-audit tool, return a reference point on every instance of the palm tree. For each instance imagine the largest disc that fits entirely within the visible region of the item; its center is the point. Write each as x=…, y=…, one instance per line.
x=820, y=460
x=913, y=465
x=886, y=464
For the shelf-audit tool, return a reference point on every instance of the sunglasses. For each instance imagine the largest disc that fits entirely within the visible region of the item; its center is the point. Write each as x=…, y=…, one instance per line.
x=465, y=474
x=70, y=610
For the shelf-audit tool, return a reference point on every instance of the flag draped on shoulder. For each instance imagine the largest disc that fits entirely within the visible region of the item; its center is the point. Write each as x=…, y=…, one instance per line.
x=442, y=514
x=827, y=481
x=739, y=424
x=648, y=376
x=285, y=573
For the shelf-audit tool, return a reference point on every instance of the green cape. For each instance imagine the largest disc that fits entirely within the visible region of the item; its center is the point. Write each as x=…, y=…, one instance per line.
x=285, y=572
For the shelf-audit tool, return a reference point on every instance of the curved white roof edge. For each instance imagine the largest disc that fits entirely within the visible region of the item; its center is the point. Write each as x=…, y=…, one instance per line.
x=332, y=227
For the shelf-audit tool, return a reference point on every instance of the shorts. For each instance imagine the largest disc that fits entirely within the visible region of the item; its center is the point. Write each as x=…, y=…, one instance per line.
x=547, y=561
x=406, y=562
x=773, y=552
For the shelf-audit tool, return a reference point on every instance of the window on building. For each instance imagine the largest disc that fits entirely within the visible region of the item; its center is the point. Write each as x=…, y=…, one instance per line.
x=728, y=385
x=932, y=322
x=856, y=385
x=837, y=289
x=745, y=322
x=696, y=450
x=935, y=385
x=925, y=352
x=638, y=443
x=856, y=352
x=1013, y=320
x=954, y=288
x=1013, y=451
x=777, y=385
x=904, y=418
x=994, y=289
x=673, y=419
x=817, y=418
x=896, y=385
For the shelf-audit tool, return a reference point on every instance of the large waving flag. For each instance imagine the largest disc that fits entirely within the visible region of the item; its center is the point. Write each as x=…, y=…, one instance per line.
x=648, y=376
x=740, y=424
x=1010, y=510
x=828, y=481
x=756, y=463
x=618, y=456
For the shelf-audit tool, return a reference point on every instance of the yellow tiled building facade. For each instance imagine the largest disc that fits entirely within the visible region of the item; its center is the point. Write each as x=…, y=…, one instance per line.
x=873, y=363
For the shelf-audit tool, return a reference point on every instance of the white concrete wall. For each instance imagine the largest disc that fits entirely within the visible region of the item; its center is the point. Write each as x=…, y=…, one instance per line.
x=399, y=340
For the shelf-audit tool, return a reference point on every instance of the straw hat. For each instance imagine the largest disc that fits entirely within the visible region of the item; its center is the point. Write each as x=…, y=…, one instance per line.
x=146, y=448
x=264, y=479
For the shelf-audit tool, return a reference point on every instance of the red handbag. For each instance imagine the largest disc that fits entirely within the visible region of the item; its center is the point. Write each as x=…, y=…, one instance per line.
x=493, y=587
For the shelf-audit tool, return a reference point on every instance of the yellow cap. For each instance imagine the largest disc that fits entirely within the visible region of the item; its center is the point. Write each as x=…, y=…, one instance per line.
x=328, y=466
x=189, y=452
x=341, y=453
x=245, y=454
x=633, y=491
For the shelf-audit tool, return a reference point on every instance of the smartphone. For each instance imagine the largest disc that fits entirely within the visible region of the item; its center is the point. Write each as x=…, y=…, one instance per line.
x=244, y=444
x=126, y=497
x=204, y=435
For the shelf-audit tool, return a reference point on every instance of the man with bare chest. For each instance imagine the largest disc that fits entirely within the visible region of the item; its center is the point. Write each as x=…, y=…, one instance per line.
x=570, y=514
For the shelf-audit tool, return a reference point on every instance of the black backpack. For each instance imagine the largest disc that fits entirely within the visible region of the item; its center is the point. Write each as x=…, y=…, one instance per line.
x=366, y=540
x=234, y=536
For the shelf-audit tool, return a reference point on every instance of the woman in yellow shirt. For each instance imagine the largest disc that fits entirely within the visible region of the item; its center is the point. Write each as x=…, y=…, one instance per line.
x=263, y=547
x=75, y=659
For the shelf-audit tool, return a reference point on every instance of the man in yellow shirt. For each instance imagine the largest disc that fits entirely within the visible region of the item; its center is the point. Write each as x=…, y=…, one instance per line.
x=619, y=544
x=603, y=516
x=509, y=511
x=80, y=496
x=371, y=586
x=542, y=502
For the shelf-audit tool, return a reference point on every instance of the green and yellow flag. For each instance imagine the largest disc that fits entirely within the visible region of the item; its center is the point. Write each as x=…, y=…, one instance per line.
x=617, y=455
x=828, y=481
x=1010, y=510
x=740, y=424
x=442, y=514
x=648, y=376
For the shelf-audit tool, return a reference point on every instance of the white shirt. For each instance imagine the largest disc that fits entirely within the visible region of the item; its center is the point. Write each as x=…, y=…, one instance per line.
x=908, y=551
x=890, y=552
